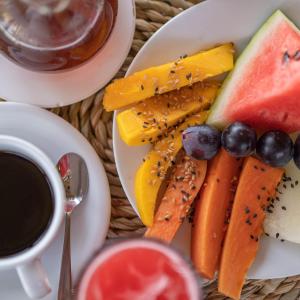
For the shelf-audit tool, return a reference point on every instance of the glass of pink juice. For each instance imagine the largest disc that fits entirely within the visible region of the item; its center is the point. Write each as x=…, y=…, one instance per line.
x=139, y=270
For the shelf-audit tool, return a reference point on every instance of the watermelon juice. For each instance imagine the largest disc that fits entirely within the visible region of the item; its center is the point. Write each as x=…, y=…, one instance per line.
x=139, y=270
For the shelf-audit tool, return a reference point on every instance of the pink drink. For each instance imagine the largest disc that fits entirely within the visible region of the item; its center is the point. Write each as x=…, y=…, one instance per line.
x=138, y=270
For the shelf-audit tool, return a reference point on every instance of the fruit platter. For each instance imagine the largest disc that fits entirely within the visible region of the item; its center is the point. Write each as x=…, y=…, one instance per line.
x=222, y=153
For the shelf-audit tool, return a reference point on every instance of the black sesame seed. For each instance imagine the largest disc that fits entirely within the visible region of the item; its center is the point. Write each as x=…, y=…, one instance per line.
x=283, y=207
x=184, y=199
x=143, y=141
x=297, y=55
x=284, y=186
x=263, y=188
x=142, y=87
x=269, y=211
x=255, y=167
x=262, y=169
x=255, y=216
x=218, y=180
x=277, y=235
x=184, y=193
x=252, y=237
x=282, y=240
x=172, y=71
x=188, y=76
x=258, y=197
x=267, y=234
x=256, y=240
x=296, y=182
x=139, y=113
x=247, y=210
x=292, y=186
x=285, y=57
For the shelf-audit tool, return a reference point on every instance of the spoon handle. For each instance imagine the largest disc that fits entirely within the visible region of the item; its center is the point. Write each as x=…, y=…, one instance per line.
x=65, y=281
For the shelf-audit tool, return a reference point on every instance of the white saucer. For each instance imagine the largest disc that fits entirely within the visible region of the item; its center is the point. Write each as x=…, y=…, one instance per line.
x=67, y=87
x=90, y=220
x=205, y=25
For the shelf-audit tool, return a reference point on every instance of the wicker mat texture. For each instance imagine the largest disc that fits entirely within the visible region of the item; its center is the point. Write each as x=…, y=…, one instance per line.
x=95, y=124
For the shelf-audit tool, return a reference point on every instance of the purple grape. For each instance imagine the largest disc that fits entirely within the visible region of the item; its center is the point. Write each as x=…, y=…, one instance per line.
x=239, y=139
x=275, y=148
x=201, y=142
x=297, y=152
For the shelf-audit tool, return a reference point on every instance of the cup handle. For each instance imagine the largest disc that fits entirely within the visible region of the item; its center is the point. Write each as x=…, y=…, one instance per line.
x=34, y=279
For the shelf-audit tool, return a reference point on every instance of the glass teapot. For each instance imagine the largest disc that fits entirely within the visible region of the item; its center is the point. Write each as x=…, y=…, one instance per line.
x=51, y=35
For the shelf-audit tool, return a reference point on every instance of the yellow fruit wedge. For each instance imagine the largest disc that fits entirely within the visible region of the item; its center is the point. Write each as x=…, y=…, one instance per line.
x=144, y=122
x=161, y=79
x=153, y=170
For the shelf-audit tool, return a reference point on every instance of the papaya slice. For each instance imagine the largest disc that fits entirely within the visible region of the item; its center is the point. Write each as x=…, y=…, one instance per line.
x=153, y=170
x=183, y=186
x=165, y=78
x=144, y=122
x=257, y=185
x=212, y=212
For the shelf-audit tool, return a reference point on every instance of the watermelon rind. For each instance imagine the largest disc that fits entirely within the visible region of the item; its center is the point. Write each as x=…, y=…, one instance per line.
x=217, y=117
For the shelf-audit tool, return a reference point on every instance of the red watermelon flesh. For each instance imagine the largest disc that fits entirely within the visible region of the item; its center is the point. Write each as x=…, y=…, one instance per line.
x=139, y=269
x=263, y=90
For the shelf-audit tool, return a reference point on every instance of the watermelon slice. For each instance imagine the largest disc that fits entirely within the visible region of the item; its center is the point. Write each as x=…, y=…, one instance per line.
x=263, y=90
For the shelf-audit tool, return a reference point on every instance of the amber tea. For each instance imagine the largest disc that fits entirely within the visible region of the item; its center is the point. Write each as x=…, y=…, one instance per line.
x=50, y=35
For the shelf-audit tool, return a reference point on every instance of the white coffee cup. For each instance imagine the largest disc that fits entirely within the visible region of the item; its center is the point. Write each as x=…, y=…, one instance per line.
x=27, y=262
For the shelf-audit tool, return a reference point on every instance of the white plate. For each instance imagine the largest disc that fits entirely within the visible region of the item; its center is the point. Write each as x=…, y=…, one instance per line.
x=67, y=87
x=203, y=26
x=90, y=220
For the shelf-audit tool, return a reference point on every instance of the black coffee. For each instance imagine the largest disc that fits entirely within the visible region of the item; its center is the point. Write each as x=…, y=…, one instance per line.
x=26, y=203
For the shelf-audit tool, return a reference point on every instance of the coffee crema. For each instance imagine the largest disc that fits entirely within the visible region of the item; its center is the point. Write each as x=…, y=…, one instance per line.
x=26, y=203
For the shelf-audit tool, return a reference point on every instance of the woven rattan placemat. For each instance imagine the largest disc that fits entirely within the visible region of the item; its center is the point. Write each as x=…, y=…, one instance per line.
x=95, y=124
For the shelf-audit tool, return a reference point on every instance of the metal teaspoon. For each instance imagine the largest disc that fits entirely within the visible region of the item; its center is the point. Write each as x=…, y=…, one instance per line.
x=74, y=173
